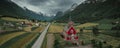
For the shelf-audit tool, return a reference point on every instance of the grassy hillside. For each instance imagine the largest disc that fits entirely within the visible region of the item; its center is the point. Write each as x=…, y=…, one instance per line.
x=87, y=12
x=9, y=8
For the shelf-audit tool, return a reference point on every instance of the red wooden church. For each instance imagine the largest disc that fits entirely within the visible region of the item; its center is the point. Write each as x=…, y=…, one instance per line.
x=69, y=33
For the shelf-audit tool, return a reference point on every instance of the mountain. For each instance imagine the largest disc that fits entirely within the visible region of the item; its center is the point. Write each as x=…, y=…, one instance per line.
x=93, y=10
x=58, y=14
x=33, y=15
x=9, y=8
x=73, y=7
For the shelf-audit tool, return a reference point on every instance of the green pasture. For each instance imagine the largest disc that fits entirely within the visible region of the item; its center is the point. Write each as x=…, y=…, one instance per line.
x=24, y=40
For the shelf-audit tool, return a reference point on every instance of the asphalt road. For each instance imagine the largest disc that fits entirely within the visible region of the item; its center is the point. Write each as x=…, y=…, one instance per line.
x=40, y=39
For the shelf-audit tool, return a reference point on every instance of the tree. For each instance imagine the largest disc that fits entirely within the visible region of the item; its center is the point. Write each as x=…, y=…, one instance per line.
x=95, y=30
x=118, y=46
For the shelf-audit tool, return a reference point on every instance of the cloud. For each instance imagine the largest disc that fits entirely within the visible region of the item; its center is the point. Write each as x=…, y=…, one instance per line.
x=50, y=7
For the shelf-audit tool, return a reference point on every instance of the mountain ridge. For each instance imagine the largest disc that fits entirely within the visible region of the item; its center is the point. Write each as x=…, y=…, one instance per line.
x=88, y=12
x=11, y=9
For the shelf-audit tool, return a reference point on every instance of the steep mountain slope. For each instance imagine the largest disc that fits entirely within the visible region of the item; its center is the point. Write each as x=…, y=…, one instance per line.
x=58, y=14
x=9, y=8
x=92, y=11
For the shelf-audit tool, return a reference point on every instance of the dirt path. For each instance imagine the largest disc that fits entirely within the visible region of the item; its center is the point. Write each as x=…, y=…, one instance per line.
x=50, y=40
x=81, y=46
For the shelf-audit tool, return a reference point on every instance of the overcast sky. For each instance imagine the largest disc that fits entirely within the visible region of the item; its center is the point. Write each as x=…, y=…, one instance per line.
x=49, y=7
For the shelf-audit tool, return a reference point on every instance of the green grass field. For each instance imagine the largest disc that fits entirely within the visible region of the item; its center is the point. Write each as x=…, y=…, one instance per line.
x=87, y=36
x=18, y=39
x=102, y=37
x=5, y=38
x=22, y=43
x=12, y=19
x=55, y=28
x=26, y=38
x=22, y=40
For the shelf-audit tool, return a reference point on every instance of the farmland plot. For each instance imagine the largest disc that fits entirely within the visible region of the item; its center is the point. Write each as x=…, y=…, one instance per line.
x=55, y=28
x=5, y=38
